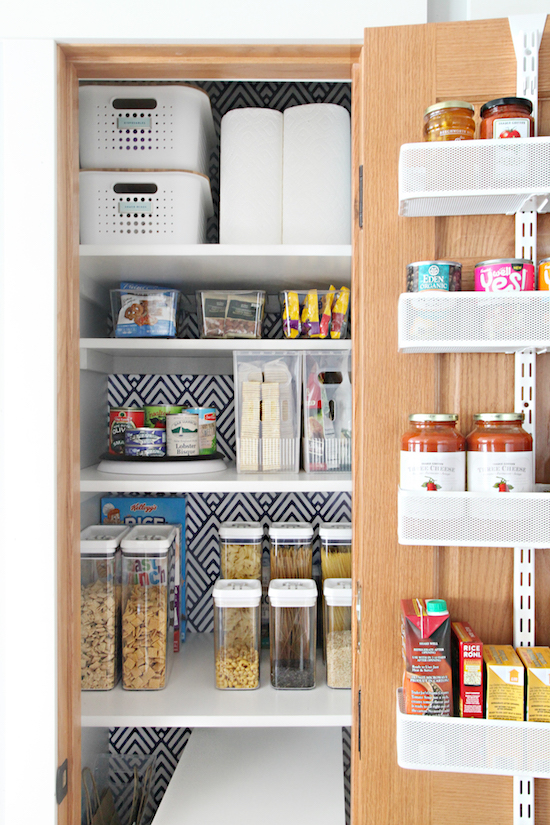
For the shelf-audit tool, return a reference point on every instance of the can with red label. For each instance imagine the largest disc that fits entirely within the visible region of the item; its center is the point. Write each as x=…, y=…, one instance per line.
x=120, y=420
x=207, y=428
x=505, y=275
x=544, y=274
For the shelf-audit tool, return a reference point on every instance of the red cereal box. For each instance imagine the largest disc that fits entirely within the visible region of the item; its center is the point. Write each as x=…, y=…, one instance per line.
x=467, y=657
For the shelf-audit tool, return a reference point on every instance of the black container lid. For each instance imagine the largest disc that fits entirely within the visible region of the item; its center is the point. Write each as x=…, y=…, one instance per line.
x=506, y=101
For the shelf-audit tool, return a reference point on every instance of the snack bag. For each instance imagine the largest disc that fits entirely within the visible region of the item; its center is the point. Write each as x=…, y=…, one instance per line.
x=310, y=315
x=340, y=314
x=326, y=307
x=291, y=315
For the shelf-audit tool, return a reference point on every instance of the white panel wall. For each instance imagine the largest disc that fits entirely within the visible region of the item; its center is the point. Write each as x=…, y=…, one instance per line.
x=484, y=9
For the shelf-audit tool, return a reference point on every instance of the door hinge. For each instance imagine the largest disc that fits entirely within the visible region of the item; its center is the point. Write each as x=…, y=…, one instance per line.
x=361, y=197
x=359, y=722
x=62, y=782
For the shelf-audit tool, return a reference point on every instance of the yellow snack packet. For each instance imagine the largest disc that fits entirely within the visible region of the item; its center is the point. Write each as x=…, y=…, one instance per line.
x=340, y=313
x=326, y=312
x=310, y=315
x=291, y=315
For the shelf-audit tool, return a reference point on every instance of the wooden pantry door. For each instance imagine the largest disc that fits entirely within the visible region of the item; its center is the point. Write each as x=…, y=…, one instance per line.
x=403, y=70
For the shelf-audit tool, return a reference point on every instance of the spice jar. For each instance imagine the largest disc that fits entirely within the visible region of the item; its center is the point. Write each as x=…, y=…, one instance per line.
x=506, y=117
x=449, y=120
x=335, y=550
x=237, y=633
x=292, y=633
x=100, y=606
x=241, y=549
x=500, y=454
x=291, y=550
x=147, y=606
x=337, y=629
x=433, y=454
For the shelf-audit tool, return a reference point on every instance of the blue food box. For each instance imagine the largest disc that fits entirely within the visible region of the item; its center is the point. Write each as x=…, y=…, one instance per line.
x=144, y=311
x=157, y=509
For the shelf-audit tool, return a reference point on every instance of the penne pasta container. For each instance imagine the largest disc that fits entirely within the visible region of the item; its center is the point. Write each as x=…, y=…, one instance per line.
x=237, y=633
x=241, y=550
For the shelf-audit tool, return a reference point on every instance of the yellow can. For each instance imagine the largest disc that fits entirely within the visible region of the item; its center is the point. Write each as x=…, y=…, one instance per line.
x=544, y=274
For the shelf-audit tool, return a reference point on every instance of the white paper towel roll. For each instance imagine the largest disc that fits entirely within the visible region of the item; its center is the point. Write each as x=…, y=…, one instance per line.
x=317, y=175
x=251, y=176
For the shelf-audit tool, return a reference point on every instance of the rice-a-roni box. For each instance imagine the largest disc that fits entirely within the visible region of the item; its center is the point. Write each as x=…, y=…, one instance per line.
x=537, y=671
x=467, y=659
x=504, y=679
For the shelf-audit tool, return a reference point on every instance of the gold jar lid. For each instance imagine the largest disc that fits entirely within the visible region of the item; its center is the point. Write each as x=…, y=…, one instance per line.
x=449, y=104
x=499, y=416
x=433, y=417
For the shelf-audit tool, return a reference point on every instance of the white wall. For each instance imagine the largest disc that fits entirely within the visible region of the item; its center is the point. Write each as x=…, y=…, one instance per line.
x=482, y=9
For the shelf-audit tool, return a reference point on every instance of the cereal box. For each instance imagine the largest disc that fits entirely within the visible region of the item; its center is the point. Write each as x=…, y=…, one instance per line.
x=504, y=677
x=159, y=509
x=467, y=657
x=537, y=672
x=426, y=643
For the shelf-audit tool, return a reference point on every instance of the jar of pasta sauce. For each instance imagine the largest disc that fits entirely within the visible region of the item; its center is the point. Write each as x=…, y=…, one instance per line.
x=433, y=454
x=507, y=117
x=500, y=454
x=449, y=120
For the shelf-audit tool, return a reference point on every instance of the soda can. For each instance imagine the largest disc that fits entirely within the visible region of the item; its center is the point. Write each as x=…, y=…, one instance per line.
x=544, y=274
x=120, y=420
x=155, y=416
x=182, y=434
x=146, y=442
x=207, y=428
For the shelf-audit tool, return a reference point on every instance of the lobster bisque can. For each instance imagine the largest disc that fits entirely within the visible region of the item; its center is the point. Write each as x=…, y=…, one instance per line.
x=544, y=274
x=155, y=416
x=120, y=420
x=182, y=434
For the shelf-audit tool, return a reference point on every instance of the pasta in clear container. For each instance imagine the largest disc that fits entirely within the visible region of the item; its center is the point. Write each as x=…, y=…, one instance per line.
x=241, y=550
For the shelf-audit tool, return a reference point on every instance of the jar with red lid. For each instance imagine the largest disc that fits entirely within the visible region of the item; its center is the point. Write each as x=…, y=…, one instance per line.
x=433, y=454
x=449, y=120
x=500, y=454
x=507, y=117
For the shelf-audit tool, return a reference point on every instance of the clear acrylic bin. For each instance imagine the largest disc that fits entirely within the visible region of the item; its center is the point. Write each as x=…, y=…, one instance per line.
x=267, y=411
x=335, y=549
x=100, y=585
x=235, y=314
x=337, y=631
x=291, y=550
x=237, y=627
x=328, y=411
x=292, y=633
x=241, y=549
x=315, y=313
x=146, y=313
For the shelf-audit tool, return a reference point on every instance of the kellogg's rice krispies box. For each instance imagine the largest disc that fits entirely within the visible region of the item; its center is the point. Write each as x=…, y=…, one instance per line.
x=159, y=509
x=467, y=658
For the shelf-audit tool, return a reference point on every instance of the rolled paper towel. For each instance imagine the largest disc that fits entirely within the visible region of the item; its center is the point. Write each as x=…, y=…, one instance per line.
x=317, y=175
x=251, y=176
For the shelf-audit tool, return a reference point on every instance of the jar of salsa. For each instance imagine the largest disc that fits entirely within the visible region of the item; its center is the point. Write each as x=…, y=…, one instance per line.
x=507, y=117
x=433, y=454
x=500, y=454
x=449, y=120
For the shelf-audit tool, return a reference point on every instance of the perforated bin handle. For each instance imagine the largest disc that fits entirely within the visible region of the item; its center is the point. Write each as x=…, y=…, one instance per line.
x=134, y=103
x=135, y=188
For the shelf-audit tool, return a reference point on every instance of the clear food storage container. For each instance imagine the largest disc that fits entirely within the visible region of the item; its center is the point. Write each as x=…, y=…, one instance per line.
x=267, y=411
x=291, y=550
x=237, y=627
x=144, y=207
x=292, y=633
x=241, y=549
x=145, y=126
x=315, y=313
x=337, y=631
x=145, y=313
x=328, y=411
x=147, y=606
x=335, y=550
x=235, y=314
x=100, y=606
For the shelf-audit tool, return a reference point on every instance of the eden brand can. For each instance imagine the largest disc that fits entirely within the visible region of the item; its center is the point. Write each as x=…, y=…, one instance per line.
x=120, y=420
x=505, y=275
x=182, y=434
x=544, y=274
x=434, y=276
x=156, y=416
x=207, y=428
x=426, y=645
x=145, y=442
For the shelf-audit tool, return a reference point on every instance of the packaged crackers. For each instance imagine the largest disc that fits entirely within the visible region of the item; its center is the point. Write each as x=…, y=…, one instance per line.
x=537, y=670
x=467, y=657
x=504, y=677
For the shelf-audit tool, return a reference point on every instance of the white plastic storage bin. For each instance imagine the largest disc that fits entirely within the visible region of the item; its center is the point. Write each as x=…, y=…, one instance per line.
x=267, y=411
x=145, y=127
x=144, y=207
x=327, y=411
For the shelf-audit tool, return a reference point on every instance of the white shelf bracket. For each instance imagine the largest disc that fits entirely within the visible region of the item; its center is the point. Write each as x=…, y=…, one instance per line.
x=524, y=801
x=527, y=32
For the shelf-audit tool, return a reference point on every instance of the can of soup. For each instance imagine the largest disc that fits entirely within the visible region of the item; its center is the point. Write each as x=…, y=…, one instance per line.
x=544, y=274
x=207, y=428
x=505, y=275
x=182, y=434
x=120, y=420
x=146, y=442
x=434, y=276
x=155, y=416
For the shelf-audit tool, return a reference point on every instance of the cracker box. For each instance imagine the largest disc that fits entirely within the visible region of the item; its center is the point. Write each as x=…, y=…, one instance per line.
x=537, y=672
x=159, y=509
x=504, y=678
x=467, y=658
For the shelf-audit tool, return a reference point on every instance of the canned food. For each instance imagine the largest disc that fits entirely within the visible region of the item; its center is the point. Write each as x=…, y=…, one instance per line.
x=120, y=420
x=207, y=428
x=444, y=276
x=505, y=275
x=145, y=442
x=156, y=416
x=544, y=274
x=182, y=434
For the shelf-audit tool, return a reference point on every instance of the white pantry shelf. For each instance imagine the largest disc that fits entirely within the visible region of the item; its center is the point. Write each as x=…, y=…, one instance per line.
x=228, y=481
x=190, y=699
x=488, y=746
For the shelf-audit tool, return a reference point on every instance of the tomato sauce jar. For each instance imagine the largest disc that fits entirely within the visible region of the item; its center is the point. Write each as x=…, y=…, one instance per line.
x=449, y=120
x=507, y=117
x=500, y=454
x=433, y=454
